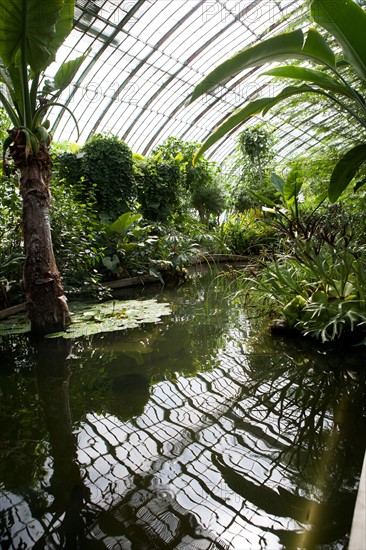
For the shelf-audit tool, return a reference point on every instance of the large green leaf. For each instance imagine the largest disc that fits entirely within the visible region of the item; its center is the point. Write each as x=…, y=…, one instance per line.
x=345, y=171
x=277, y=182
x=317, y=49
x=124, y=222
x=63, y=28
x=64, y=75
x=293, y=184
x=310, y=75
x=250, y=109
x=346, y=21
x=286, y=46
x=273, y=49
x=238, y=117
x=29, y=25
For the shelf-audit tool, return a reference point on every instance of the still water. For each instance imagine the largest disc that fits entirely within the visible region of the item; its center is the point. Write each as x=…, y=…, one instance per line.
x=198, y=432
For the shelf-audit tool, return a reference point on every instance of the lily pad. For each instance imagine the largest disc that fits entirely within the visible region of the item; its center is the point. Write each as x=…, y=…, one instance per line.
x=17, y=324
x=95, y=318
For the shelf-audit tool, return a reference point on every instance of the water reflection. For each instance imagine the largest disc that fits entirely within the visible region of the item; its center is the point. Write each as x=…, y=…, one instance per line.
x=194, y=433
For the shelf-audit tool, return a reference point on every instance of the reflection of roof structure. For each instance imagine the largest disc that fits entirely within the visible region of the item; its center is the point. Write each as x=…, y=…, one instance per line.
x=147, y=55
x=204, y=467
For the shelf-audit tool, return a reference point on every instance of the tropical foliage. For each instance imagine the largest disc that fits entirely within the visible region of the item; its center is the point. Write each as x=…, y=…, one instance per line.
x=315, y=279
x=159, y=187
x=319, y=287
x=247, y=233
x=346, y=24
x=201, y=188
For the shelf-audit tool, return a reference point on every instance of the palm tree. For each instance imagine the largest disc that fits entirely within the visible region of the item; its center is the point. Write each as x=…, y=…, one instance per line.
x=31, y=31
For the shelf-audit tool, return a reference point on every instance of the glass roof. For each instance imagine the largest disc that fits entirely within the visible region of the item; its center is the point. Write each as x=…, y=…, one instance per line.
x=146, y=56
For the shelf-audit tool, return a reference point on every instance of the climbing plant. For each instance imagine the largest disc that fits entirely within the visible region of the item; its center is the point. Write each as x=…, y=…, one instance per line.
x=107, y=165
x=159, y=187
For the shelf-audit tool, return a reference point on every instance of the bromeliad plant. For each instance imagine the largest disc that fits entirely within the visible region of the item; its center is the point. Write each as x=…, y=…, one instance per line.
x=319, y=288
x=317, y=283
x=345, y=20
x=31, y=31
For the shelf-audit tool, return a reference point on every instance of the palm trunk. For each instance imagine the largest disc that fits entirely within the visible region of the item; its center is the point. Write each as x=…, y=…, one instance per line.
x=47, y=305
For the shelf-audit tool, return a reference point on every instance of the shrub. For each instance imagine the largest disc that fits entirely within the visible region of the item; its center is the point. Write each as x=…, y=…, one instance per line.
x=158, y=188
x=318, y=286
x=200, y=188
x=75, y=238
x=208, y=200
x=107, y=163
x=67, y=166
x=247, y=233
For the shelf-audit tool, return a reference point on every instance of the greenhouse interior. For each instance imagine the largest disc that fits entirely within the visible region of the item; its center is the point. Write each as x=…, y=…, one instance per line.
x=183, y=274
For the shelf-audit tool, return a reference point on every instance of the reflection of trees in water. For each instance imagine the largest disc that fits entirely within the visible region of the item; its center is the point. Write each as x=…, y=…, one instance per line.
x=262, y=451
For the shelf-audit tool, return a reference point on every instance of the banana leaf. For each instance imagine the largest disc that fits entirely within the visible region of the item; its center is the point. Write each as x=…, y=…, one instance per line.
x=346, y=21
x=250, y=109
x=310, y=75
x=292, y=45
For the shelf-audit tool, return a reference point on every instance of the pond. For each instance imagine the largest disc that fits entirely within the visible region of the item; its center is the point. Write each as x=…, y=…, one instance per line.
x=200, y=431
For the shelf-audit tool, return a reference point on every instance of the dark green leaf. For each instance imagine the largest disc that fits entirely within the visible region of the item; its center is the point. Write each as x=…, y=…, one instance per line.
x=31, y=23
x=317, y=49
x=277, y=182
x=63, y=27
x=359, y=184
x=239, y=116
x=345, y=171
x=277, y=48
x=253, y=108
x=293, y=184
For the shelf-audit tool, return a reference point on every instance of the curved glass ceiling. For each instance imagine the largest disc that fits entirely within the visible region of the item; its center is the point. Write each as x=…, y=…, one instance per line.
x=146, y=56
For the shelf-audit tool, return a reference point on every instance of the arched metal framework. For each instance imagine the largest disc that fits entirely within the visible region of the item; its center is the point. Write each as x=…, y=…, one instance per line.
x=146, y=56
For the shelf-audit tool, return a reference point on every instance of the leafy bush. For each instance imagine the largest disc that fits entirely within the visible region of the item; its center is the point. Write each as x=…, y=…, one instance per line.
x=200, y=187
x=107, y=163
x=207, y=200
x=134, y=247
x=247, y=233
x=75, y=235
x=158, y=187
x=322, y=297
x=67, y=166
x=319, y=285
x=248, y=168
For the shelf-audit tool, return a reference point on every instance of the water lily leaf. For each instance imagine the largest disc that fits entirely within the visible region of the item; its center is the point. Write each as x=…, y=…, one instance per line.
x=95, y=318
x=112, y=316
